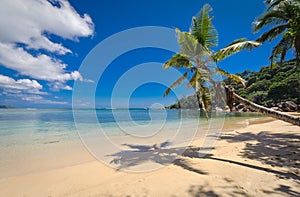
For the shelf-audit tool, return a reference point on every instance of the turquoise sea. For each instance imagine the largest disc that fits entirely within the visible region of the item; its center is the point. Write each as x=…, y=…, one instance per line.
x=39, y=139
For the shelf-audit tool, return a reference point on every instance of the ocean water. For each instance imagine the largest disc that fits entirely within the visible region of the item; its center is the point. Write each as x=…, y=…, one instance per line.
x=39, y=139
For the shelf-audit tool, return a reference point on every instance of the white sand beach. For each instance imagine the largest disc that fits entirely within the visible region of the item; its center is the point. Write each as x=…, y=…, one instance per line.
x=258, y=160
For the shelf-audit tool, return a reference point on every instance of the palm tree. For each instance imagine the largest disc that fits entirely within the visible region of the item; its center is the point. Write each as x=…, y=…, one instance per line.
x=284, y=18
x=195, y=56
x=232, y=96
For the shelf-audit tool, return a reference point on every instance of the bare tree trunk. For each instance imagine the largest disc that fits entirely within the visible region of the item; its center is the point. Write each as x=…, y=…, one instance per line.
x=258, y=108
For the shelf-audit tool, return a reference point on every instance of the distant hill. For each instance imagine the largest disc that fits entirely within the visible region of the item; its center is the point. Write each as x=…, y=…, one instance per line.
x=5, y=107
x=266, y=87
x=270, y=86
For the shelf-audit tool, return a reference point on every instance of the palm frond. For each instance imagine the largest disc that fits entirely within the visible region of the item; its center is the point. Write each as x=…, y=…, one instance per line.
x=204, y=72
x=284, y=15
x=235, y=47
x=205, y=99
x=194, y=81
x=272, y=33
x=273, y=3
x=280, y=50
x=232, y=76
x=189, y=46
x=203, y=29
x=178, y=61
x=273, y=16
x=178, y=82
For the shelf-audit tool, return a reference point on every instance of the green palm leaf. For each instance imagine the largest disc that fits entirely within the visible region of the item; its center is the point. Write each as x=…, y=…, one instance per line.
x=235, y=47
x=178, y=82
x=232, y=76
x=284, y=15
x=274, y=16
x=273, y=3
x=203, y=29
x=197, y=80
x=280, y=50
x=206, y=99
x=272, y=33
x=194, y=81
x=189, y=46
x=178, y=61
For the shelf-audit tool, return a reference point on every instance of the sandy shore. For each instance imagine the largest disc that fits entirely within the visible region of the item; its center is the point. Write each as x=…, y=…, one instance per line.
x=261, y=159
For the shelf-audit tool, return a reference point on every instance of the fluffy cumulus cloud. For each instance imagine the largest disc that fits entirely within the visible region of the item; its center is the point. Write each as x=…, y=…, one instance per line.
x=38, y=67
x=25, y=28
x=28, y=23
x=18, y=86
x=26, y=90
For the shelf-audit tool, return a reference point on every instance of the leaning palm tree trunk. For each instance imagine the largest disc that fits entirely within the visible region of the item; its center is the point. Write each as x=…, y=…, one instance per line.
x=232, y=96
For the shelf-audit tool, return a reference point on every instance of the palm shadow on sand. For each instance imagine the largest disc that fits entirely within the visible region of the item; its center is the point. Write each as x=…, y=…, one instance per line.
x=274, y=149
x=277, y=150
x=157, y=153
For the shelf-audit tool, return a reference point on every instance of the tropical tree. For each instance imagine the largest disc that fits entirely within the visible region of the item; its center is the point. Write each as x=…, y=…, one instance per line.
x=195, y=45
x=283, y=17
x=232, y=96
x=195, y=57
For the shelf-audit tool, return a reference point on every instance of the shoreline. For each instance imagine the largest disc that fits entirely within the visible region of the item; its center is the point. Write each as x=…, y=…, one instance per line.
x=37, y=152
x=259, y=159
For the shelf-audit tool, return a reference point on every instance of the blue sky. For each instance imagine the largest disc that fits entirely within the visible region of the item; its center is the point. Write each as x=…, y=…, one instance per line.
x=40, y=59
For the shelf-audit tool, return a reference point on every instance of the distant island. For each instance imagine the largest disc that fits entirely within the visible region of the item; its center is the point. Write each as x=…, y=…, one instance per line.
x=5, y=107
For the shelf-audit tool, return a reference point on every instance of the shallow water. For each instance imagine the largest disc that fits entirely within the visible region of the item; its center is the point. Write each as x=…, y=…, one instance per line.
x=40, y=139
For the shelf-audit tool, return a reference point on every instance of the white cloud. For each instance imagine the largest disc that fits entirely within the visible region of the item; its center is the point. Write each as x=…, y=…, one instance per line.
x=32, y=98
x=22, y=85
x=56, y=86
x=40, y=100
x=29, y=21
x=27, y=24
x=40, y=67
x=26, y=90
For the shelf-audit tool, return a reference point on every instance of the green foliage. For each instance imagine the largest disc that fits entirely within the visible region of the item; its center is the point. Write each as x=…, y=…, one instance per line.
x=266, y=87
x=194, y=55
x=203, y=29
x=283, y=16
x=189, y=45
x=178, y=61
x=232, y=76
x=190, y=102
x=235, y=47
x=270, y=85
x=178, y=82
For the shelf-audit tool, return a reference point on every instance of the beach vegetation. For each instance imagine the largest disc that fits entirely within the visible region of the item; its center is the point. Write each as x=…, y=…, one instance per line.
x=196, y=54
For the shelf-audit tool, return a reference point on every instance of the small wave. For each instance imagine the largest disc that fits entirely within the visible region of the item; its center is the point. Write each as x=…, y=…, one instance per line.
x=30, y=109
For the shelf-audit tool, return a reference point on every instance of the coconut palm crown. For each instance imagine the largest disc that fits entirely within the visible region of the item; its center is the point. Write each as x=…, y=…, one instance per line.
x=197, y=58
x=283, y=19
